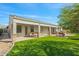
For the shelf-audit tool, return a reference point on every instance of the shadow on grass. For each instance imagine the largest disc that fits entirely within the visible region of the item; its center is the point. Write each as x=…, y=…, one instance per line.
x=45, y=48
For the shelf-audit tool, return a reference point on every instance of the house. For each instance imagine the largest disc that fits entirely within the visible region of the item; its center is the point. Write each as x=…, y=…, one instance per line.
x=20, y=27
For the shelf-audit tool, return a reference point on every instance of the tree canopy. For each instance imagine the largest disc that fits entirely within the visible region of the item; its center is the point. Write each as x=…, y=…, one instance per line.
x=69, y=18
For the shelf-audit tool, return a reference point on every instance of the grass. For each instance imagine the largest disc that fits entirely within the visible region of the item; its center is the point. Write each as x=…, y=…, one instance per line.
x=75, y=37
x=46, y=46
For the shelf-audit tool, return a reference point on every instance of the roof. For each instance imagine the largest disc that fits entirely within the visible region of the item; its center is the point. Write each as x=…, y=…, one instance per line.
x=31, y=20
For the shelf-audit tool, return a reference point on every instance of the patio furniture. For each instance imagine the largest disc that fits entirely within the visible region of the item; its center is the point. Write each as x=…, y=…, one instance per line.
x=60, y=34
x=33, y=34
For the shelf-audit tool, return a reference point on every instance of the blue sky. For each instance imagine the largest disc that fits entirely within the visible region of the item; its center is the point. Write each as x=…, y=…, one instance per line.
x=46, y=12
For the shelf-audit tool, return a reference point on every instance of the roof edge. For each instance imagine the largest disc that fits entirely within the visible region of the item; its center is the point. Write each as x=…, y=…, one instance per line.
x=31, y=20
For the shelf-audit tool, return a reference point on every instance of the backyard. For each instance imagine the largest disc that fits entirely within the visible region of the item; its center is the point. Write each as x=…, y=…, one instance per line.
x=47, y=46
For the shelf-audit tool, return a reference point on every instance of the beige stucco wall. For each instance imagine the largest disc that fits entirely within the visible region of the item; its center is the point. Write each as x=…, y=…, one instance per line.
x=35, y=28
x=44, y=31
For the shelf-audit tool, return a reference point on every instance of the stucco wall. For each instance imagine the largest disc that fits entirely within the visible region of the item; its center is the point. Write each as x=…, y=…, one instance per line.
x=44, y=31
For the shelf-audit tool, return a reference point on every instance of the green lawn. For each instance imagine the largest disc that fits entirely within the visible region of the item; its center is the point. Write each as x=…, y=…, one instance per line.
x=46, y=46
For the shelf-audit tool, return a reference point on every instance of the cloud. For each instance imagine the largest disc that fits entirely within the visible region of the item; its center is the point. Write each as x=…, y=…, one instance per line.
x=48, y=19
x=40, y=17
x=5, y=11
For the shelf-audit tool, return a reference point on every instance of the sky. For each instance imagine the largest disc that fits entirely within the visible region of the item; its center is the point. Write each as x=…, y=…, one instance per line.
x=46, y=12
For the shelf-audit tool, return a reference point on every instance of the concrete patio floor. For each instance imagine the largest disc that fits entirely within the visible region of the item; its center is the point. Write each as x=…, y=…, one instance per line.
x=5, y=47
x=27, y=38
x=23, y=38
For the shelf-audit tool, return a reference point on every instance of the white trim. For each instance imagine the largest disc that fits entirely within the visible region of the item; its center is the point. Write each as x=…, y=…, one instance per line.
x=25, y=22
x=30, y=23
x=14, y=28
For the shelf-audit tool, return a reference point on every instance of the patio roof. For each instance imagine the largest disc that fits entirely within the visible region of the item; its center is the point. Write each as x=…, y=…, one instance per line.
x=31, y=20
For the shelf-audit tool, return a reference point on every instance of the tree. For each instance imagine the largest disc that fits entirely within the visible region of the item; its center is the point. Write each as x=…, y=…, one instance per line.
x=69, y=18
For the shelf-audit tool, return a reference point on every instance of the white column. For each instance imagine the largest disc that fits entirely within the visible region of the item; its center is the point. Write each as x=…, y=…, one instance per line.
x=14, y=28
x=39, y=30
x=28, y=29
x=23, y=30
x=49, y=30
x=10, y=26
x=57, y=29
x=61, y=29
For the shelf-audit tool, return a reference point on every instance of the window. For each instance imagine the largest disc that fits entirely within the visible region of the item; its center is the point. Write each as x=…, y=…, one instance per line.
x=32, y=29
x=19, y=28
x=42, y=29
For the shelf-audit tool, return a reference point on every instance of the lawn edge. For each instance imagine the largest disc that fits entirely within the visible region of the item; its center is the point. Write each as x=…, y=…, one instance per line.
x=9, y=49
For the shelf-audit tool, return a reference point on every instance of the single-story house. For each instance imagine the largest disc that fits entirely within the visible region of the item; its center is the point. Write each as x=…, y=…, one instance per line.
x=20, y=27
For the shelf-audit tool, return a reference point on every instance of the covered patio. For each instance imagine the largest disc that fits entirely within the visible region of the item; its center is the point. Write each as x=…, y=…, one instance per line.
x=28, y=30
x=24, y=27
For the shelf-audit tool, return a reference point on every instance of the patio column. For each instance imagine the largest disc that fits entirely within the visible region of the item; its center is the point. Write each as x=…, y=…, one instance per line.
x=23, y=30
x=14, y=31
x=14, y=28
x=28, y=29
x=49, y=30
x=38, y=30
x=61, y=29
